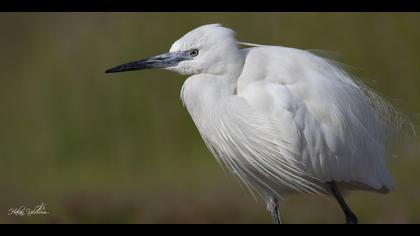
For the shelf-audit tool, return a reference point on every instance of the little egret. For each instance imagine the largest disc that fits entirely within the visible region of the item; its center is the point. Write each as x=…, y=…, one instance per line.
x=282, y=120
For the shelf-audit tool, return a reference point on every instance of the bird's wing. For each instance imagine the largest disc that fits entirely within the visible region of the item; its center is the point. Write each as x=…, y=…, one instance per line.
x=336, y=128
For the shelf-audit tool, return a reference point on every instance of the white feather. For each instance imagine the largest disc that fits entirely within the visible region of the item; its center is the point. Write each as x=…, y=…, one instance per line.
x=285, y=120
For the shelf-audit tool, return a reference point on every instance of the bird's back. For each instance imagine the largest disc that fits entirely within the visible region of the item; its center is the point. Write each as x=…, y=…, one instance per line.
x=338, y=129
x=294, y=122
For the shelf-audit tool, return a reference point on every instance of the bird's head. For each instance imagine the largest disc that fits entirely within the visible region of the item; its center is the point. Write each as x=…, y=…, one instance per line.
x=210, y=49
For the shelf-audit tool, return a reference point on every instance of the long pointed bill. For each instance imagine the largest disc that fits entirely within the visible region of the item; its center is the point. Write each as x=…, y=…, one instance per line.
x=161, y=61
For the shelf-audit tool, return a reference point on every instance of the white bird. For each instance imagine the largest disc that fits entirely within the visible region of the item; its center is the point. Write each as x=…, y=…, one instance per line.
x=282, y=120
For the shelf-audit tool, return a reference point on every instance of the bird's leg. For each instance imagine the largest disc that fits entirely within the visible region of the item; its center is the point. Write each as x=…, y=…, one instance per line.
x=272, y=207
x=350, y=216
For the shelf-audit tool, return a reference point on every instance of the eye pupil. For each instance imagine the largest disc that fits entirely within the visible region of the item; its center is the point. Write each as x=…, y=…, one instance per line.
x=194, y=52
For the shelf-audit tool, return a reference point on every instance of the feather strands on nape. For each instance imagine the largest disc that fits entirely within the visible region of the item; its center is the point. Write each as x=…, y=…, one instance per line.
x=249, y=44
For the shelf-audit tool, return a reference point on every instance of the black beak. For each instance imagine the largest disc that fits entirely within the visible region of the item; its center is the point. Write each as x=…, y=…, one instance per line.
x=162, y=61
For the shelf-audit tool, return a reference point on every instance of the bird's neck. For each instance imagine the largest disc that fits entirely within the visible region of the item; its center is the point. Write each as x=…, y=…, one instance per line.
x=230, y=70
x=228, y=84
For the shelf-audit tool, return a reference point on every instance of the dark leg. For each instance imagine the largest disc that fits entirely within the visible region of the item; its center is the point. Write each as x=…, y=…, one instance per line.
x=272, y=207
x=350, y=216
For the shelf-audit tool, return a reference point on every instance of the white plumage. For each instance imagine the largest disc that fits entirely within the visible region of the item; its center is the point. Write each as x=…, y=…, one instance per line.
x=284, y=120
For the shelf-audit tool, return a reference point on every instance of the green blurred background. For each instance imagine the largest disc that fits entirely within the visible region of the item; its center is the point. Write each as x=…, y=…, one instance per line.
x=99, y=148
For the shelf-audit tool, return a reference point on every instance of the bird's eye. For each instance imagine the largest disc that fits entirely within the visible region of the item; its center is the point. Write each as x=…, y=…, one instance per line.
x=194, y=52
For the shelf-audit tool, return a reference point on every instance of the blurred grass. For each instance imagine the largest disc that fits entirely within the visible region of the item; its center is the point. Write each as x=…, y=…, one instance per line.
x=124, y=150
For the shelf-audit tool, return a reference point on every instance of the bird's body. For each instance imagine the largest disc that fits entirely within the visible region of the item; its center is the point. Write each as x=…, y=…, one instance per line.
x=283, y=120
x=282, y=124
